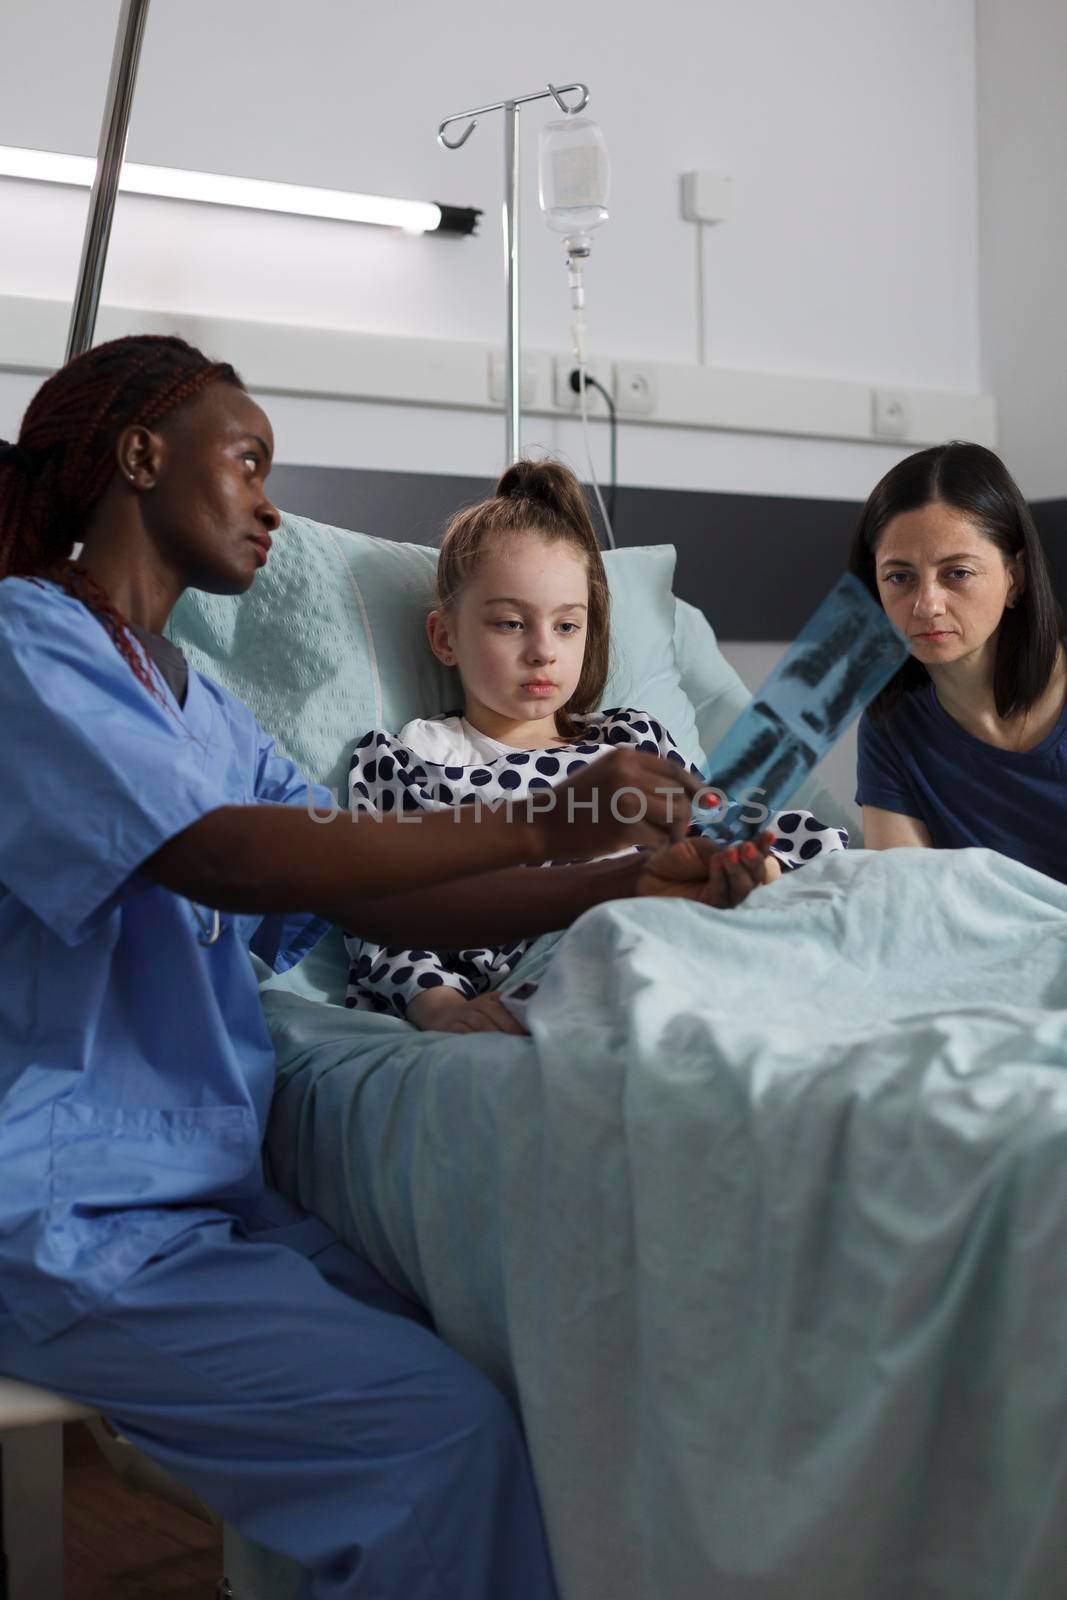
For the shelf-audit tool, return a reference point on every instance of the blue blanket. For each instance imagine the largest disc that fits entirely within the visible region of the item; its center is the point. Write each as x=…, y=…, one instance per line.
x=765, y=1228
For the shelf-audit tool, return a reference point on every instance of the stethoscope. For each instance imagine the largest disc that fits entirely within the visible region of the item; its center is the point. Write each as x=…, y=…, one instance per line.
x=209, y=930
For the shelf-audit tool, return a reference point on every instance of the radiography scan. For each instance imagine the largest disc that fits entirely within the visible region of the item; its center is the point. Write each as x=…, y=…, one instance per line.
x=846, y=652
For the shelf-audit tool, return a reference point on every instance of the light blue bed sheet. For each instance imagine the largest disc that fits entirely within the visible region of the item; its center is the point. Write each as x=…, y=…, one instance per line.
x=765, y=1227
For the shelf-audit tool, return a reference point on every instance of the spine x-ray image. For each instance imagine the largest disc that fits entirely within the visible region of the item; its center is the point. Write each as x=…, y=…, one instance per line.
x=846, y=652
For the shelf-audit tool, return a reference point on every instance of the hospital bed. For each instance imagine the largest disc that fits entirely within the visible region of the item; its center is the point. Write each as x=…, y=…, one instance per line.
x=763, y=1228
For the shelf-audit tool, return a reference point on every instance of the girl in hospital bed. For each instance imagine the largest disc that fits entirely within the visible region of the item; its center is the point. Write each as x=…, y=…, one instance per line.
x=523, y=614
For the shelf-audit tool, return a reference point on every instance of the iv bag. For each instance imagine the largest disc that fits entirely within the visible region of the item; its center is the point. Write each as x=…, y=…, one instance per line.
x=573, y=175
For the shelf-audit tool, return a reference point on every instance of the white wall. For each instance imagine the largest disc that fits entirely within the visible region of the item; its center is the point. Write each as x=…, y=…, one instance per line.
x=1022, y=122
x=848, y=129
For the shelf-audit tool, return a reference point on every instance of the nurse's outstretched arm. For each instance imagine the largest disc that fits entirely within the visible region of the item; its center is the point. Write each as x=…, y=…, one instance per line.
x=519, y=904
x=280, y=858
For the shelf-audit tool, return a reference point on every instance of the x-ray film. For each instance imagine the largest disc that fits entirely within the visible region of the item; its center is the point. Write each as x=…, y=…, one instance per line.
x=847, y=651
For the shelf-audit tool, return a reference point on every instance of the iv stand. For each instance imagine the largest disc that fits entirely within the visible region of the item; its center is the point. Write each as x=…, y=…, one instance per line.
x=510, y=108
x=109, y=158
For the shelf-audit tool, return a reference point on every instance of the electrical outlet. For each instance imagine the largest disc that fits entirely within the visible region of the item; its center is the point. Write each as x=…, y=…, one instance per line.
x=635, y=387
x=565, y=396
x=528, y=385
x=890, y=414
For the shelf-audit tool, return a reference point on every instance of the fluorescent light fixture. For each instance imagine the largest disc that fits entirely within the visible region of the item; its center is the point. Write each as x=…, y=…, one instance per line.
x=256, y=194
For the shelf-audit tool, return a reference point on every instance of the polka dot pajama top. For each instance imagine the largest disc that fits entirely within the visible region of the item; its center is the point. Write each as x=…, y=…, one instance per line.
x=444, y=762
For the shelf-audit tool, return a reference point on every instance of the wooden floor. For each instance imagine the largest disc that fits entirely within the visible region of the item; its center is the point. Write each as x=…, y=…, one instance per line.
x=122, y=1545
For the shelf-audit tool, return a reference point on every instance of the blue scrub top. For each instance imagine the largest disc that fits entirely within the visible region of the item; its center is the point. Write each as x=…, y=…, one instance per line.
x=919, y=762
x=135, y=1066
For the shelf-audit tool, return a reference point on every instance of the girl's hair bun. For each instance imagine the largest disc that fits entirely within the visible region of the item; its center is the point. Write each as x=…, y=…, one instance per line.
x=548, y=484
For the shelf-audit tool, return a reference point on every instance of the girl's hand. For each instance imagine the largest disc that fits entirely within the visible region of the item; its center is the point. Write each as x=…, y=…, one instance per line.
x=698, y=869
x=445, y=1010
x=626, y=798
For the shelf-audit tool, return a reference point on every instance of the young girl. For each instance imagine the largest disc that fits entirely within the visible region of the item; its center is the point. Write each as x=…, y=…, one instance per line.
x=523, y=613
x=967, y=744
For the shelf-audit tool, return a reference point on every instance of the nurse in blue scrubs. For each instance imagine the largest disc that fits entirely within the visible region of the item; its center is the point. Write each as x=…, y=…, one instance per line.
x=150, y=835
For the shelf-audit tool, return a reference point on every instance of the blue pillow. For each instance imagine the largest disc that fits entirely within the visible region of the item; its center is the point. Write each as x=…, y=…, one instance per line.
x=329, y=642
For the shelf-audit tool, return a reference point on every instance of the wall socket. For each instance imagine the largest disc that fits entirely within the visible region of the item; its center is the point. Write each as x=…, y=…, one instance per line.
x=635, y=387
x=528, y=384
x=566, y=398
x=890, y=414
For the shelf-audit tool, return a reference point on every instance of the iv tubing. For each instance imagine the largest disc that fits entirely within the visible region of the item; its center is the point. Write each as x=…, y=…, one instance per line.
x=577, y=250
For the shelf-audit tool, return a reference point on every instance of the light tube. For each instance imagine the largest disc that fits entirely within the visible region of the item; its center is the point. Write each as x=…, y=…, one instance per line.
x=257, y=194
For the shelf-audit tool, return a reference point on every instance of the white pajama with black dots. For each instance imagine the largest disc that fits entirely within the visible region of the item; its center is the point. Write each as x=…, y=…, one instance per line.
x=444, y=762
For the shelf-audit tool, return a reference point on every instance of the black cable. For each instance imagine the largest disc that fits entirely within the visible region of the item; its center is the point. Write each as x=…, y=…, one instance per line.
x=594, y=383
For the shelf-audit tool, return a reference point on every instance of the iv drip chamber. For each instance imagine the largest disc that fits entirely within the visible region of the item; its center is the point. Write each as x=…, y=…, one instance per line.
x=574, y=175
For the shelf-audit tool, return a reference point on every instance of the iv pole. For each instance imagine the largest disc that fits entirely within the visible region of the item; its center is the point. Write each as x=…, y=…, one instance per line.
x=510, y=108
x=109, y=159
x=111, y=153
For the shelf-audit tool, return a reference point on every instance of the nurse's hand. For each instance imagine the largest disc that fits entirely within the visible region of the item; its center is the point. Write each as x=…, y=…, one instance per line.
x=698, y=869
x=623, y=799
x=445, y=1010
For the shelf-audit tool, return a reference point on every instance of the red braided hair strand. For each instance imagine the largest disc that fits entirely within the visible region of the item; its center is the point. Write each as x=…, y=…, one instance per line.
x=51, y=481
x=78, y=583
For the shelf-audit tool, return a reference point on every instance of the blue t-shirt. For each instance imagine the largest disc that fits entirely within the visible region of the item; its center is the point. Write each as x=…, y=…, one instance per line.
x=918, y=761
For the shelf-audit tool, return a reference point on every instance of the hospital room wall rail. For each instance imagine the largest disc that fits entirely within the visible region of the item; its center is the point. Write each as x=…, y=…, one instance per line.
x=349, y=364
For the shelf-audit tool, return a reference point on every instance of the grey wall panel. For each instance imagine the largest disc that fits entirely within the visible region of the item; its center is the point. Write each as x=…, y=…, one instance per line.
x=392, y=505
x=1051, y=519
x=758, y=565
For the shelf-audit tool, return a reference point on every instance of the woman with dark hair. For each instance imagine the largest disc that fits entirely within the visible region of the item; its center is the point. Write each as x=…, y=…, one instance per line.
x=150, y=836
x=967, y=745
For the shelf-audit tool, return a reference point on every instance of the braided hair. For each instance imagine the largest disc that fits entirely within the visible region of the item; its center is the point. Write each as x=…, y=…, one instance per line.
x=53, y=478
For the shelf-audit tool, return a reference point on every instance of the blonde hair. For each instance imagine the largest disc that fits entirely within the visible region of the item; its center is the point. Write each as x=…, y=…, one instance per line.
x=542, y=497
